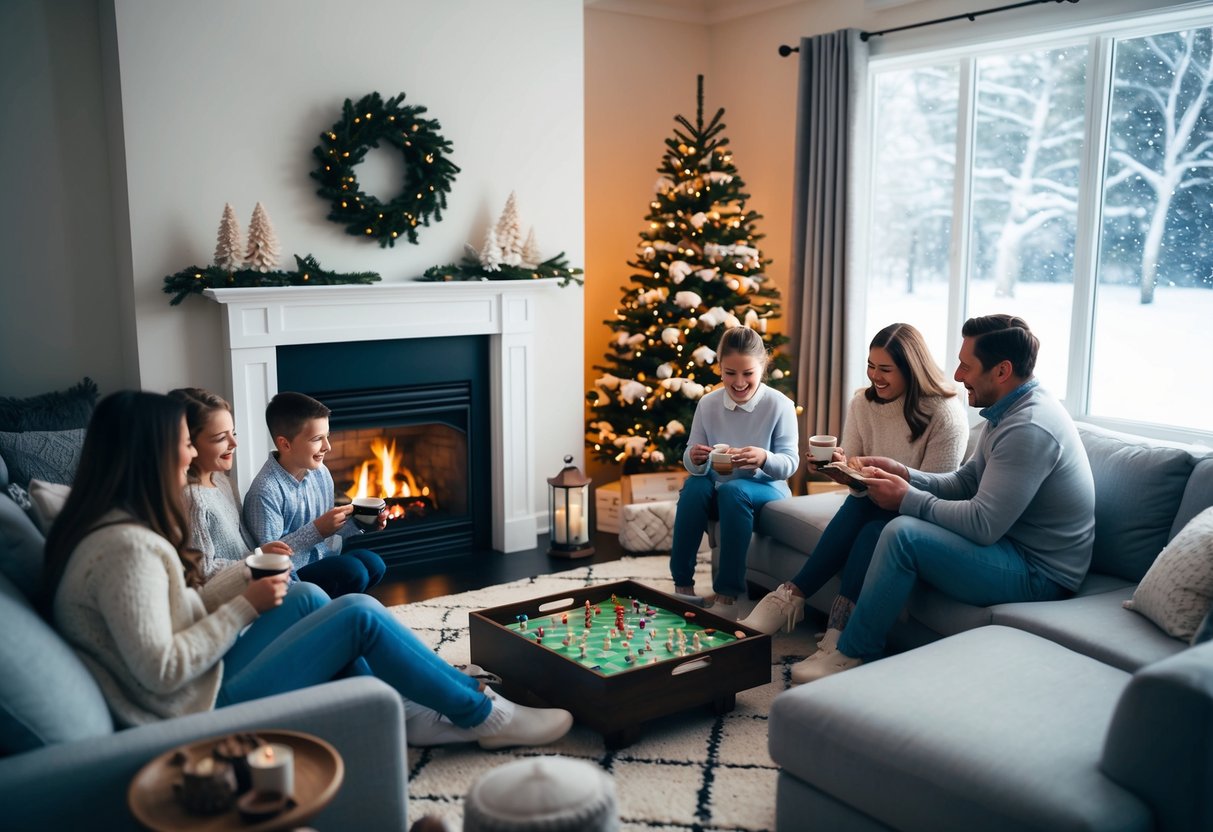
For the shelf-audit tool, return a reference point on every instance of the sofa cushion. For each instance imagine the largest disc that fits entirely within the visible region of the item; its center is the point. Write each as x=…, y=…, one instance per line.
x=1138, y=487
x=942, y=613
x=60, y=410
x=50, y=455
x=20, y=549
x=799, y=521
x=47, y=696
x=1198, y=494
x=1205, y=631
x=993, y=728
x=1177, y=591
x=1158, y=740
x=1094, y=625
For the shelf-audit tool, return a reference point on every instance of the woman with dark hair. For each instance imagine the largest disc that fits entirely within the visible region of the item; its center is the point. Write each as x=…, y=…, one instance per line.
x=908, y=412
x=163, y=641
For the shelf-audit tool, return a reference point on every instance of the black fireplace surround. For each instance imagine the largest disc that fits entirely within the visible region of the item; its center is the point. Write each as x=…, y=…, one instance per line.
x=398, y=384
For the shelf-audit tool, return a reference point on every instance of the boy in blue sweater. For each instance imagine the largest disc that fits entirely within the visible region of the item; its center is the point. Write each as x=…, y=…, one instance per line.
x=292, y=497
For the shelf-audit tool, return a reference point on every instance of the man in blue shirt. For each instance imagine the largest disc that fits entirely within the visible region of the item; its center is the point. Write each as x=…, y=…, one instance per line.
x=1016, y=522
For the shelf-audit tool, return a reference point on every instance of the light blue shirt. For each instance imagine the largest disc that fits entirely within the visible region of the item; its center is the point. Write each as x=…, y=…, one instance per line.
x=280, y=507
x=767, y=420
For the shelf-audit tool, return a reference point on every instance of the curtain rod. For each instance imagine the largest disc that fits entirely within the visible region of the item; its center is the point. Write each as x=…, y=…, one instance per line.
x=785, y=50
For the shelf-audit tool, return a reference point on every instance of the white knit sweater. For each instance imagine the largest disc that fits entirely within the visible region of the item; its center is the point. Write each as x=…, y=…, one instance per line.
x=880, y=429
x=216, y=529
x=154, y=645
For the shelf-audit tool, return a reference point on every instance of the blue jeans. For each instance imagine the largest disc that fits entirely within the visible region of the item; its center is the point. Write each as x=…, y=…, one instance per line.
x=736, y=502
x=309, y=640
x=910, y=549
x=337, y=575
x=847, y=544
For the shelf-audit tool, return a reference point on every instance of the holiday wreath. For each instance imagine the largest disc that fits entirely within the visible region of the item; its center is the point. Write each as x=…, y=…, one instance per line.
x=428, y=172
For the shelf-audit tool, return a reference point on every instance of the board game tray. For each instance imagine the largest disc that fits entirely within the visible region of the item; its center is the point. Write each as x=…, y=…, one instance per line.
x=602, y=692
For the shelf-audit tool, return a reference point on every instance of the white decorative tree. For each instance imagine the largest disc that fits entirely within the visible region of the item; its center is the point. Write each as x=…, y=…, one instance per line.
x=530, y=251
x=509, y=233
x=490, y=254
x=263, y=253
x=229, y=248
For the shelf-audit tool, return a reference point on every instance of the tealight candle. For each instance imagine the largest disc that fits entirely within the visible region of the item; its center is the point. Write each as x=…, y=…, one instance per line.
x=272, y=769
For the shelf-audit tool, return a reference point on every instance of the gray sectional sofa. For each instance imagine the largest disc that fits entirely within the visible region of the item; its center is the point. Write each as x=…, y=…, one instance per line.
x=1074, y=714
x=64, y=766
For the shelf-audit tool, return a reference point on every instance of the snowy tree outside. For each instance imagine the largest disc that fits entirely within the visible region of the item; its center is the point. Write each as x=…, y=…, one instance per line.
x=1152, y=282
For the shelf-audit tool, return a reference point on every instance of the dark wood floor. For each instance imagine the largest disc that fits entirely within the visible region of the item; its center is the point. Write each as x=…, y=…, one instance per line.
x=481, y=569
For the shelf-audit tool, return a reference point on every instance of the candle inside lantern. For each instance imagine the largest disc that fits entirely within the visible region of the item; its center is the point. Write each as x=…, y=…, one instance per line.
x=272, y=769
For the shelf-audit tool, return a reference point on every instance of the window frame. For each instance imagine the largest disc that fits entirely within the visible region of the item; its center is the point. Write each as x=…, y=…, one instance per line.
x=1100, y=37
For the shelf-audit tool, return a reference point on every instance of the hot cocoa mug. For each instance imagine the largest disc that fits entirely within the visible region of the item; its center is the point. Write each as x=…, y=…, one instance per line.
x=262, y=565
x=721, y=459
x=366, y=511
x=821, y=447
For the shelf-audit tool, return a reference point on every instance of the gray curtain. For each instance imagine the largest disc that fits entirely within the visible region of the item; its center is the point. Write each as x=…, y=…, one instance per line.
x=826, y=105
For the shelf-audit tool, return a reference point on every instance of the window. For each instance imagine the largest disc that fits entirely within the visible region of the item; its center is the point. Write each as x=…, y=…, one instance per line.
x=1069, y=181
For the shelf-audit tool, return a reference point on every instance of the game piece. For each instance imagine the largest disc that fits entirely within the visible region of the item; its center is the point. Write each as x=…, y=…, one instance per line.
x=597, y=610
x=565, y=641
x=553, y=621
x=707, y=631
x=688, y=615
x=739, y=633
x=606, y=643
x=642, y=623
x=629, y=658
x=695, y=642
x=522, y=622
x=540, y=632
x=669, y=645
x=631, y=633
x=625, y=644
x=564, y=618
x=582, y=648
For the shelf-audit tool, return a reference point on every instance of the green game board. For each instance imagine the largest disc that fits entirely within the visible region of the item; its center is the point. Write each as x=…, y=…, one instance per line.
x=609, y=662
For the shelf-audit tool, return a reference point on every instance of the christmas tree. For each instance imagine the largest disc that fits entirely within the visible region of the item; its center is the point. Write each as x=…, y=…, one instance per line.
x=698, y=272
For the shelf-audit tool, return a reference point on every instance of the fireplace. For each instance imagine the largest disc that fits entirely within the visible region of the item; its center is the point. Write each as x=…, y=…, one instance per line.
x=409, y=423
x=259, y=321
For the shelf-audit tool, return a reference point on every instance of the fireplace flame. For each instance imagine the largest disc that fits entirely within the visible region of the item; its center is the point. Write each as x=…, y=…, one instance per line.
x=385, y=475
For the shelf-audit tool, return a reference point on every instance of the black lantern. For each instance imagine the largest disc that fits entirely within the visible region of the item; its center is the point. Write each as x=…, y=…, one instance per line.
x=569, y=513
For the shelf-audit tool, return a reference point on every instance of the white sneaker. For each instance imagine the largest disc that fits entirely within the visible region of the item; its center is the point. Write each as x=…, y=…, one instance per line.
x=479, y=673
x=425, y=727
x=781, y=609
x=514, y=724
x=820, y=665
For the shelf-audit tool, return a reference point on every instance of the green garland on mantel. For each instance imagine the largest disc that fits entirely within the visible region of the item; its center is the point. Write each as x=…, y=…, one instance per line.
x=472, y=269
x=196, y=279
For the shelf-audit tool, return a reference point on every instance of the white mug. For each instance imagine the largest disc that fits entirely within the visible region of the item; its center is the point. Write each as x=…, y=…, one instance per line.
x=821, y=447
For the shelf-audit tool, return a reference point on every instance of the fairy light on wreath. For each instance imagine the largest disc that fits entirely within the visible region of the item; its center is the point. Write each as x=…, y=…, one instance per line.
x=428, y=171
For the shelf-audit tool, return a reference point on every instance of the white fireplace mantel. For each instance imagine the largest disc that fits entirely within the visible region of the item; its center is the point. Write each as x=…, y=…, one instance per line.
x=257, y=321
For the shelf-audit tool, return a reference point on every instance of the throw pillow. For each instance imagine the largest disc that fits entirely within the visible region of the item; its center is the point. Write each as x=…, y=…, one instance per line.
x=1177, y=591
x=47, y=500
x=51, y=456
x=61, y=410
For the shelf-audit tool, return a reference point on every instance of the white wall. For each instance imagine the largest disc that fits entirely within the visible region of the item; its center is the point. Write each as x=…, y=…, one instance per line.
x=60, y=315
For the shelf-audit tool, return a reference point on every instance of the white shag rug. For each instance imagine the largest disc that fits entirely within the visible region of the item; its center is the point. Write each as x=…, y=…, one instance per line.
x=691, y=771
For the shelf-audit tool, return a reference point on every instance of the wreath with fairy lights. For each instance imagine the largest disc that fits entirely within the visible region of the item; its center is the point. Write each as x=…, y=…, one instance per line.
x=428, y=171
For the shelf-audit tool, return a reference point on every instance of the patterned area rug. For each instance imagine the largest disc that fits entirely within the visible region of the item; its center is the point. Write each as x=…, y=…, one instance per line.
x=691, y=771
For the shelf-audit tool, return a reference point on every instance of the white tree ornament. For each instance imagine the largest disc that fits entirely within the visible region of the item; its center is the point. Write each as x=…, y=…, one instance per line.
x=263, y=253
x=632, y=390
x=687, y=300
x=509, y=232
x=490, y=254
x=703, y=355
x=530, y=250
x=229, y=248
x=670, y=335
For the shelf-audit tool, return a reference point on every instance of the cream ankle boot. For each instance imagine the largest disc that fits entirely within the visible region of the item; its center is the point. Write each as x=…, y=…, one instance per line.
x=781, y=609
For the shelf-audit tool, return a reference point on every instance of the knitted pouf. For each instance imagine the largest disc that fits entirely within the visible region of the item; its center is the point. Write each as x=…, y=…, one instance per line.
x=543, y=794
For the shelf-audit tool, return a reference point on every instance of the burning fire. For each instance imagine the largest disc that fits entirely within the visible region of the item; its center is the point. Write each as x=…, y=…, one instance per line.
x=384, y=475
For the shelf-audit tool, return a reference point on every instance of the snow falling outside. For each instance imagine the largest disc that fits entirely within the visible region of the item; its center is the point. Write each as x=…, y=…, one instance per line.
x=1149, y=364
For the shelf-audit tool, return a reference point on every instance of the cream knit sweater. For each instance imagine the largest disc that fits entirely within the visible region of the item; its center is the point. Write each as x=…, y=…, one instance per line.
x=876, y=429
x=154, y=645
